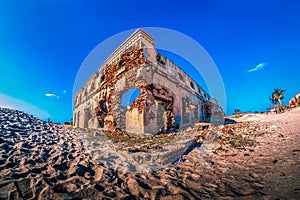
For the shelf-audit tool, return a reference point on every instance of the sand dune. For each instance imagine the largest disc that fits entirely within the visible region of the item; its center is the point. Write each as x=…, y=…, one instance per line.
x=253, y=160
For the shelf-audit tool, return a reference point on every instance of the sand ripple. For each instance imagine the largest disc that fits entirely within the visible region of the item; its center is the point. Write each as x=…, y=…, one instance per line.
x=40, y=160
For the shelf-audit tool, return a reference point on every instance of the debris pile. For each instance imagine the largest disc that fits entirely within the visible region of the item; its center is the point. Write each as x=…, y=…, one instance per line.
x=241, y=136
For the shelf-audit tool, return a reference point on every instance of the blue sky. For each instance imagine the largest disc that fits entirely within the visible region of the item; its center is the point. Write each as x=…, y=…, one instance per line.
x=43, y=43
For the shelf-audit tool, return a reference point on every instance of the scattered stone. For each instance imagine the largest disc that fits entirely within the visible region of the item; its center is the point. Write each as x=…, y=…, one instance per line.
x=35, y=163
x=59, y=188
x=96, y=133
x=257, y=185
x=228, y=155
x=133, y=186
x=254, y=175
x=282, y=174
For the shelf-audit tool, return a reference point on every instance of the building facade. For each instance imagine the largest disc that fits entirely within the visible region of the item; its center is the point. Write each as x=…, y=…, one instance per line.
x=168, y=97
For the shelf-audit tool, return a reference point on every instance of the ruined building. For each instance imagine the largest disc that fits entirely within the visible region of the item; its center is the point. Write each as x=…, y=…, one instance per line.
x=167, y=98
x=295, y=101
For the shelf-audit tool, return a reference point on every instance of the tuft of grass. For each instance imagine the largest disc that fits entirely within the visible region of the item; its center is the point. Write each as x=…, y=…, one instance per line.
x=131, y=140
x=238, y=142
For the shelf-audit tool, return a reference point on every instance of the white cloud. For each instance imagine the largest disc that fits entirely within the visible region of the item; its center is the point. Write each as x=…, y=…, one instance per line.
x=258, y=67
x=51, y=95
x=64, y=91
x=18, y=104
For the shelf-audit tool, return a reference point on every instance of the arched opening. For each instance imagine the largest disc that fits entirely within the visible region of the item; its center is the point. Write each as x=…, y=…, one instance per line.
x=101, y=112
x=78, y=119
x=127, y=99
x=122, y=63
x=159, y=108
x=102, y=79
x=190, y=110
x=177, y=111
x=129, y=96
x=87, y=117
x=192, y=85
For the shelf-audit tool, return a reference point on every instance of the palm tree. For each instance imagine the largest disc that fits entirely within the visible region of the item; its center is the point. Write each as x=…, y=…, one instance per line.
x=237, y=111
x=274, y=101
x=278, y=95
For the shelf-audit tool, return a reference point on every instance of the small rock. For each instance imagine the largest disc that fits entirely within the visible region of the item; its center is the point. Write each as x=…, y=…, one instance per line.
x=59, y=188
x=258, y=185
x=96, y=133
x=195, y=176
x=211, y=185
x=188, y=129
x=243, y=191
x=166, y=170
x=254, y=175
x=71, y=187
x=282, y=174
x=133, y=186
x=87, y=175
x=98, y=173
x=273, y=126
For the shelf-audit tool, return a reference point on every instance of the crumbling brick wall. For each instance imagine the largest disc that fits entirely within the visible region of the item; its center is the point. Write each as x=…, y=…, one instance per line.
x=295, y=101
x=109, y=116
x=213, y=110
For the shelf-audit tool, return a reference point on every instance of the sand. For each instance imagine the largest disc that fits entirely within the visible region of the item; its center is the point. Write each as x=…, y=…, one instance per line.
x=257, y=158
